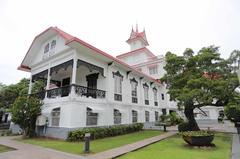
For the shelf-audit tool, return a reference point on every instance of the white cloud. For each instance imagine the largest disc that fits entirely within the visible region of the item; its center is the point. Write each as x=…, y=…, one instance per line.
x=171, y=25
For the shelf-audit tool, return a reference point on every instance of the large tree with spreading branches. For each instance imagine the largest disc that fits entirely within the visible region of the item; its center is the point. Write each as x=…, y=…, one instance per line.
x=201, y=79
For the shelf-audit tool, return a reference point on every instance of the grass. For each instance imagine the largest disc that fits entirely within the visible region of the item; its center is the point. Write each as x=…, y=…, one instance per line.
x=176, y=148
x=5, y=148
x=96, y=145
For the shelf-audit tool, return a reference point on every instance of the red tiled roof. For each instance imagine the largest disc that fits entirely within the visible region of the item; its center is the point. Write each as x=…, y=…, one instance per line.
x=135, y=52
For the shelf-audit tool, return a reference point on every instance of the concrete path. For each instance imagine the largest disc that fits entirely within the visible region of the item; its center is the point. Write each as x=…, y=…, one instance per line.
x=27, y=151
x=236, y=146
x=130, y=147
x=226, y=127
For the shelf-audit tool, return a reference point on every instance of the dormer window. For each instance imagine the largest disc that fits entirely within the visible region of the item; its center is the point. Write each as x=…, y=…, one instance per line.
x=46, y=48
x=53, y=44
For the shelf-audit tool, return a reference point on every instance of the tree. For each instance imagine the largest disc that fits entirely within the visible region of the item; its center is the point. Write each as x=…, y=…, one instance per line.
x=9, y=93
x=24, y=113
x=204, y=79
x=232, y=110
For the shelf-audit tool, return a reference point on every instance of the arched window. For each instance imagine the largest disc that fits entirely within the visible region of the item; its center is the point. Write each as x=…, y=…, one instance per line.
x=55, y=116
x=118, y=78
x=134, y=84
x=155, y=96
x=134, y=116
x=46, y=48
x=92, y=118
x=147, y=116
x=117, y=116
x=146, y=88
x=53, y=44
x=156, y=116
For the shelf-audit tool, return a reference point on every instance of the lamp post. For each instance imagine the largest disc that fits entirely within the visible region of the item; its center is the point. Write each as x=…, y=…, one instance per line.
x=87, y=143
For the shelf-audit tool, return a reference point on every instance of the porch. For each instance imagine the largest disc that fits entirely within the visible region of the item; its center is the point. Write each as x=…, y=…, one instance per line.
x=72, y=78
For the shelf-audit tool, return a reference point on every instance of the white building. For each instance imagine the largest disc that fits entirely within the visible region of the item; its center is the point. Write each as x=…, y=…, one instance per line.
x=87, y=87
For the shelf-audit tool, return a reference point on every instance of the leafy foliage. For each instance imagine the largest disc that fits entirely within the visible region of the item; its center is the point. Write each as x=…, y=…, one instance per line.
x=199, y=80
x=24, y=113
x=232, y=111
x=8, y=94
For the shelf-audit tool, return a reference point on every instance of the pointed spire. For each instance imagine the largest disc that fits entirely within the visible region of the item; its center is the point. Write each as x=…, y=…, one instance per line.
x=136, y=27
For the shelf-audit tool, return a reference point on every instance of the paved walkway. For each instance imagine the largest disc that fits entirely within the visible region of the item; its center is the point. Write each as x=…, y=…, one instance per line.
x=27, y=151
x=226, y=127
x=236, y=146
x=130, y=147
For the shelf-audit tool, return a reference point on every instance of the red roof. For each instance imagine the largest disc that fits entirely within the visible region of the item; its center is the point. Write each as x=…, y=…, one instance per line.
x=138, y=35
x=135, y=52
x=69, y=38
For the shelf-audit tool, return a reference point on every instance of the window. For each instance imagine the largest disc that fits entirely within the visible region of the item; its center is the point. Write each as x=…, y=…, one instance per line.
x=46, y=48
x=53, y=44
x=146, y=87
x=162, y=96
x=155, y=96
x=134, y=116
x=117, y=86
x=117, y=116
x=55, y=116
x=147, y=116
x=153, y=70
x=156, y=116
x=92, y=118
x=164, y=111
x=134, y=84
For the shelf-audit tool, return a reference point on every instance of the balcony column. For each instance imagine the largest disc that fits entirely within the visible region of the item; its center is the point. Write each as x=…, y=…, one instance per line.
x=48, y=80
x=74, y=76
x=30, y=85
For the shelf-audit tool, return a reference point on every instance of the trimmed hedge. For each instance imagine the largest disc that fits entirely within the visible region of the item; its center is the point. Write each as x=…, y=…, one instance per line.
x=102, y=132
x=184, y=127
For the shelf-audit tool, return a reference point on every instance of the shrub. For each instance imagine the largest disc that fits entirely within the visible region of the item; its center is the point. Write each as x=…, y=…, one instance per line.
x=184, y=126
x=232, y=111
x=102, y=132
x=175, y=118
x=197, y=133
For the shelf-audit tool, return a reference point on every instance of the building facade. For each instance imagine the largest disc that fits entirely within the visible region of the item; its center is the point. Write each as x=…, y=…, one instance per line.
x=86, y=87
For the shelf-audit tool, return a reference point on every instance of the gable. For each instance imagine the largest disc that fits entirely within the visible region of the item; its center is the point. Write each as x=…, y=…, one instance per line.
x=35, y=53
x=137, y=56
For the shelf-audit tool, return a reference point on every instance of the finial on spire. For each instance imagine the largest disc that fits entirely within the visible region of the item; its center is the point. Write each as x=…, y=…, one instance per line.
x=137, y=27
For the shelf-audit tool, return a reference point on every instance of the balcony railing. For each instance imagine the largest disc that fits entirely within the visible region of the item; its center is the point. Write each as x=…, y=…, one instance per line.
x=59, y=92
x=39, y=95
x=89, y=92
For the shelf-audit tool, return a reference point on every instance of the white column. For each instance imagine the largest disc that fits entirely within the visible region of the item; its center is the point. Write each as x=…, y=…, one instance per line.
x=141, y=92
x=74, y=71
x=30, y=85
x=48, y=80
x=74, y=75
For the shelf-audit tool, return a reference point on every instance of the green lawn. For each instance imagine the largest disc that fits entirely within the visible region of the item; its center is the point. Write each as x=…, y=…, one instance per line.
x=175, y=148
x=96, y=145
x=5, y=148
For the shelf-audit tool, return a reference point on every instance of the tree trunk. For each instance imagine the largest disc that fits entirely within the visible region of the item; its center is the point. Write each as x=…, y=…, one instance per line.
x=193, y=126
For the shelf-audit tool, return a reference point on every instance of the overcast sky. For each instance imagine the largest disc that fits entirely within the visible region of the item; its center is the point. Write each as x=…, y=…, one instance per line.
x=171, y=25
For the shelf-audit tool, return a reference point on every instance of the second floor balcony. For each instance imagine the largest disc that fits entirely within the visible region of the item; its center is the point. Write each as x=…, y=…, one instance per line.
x=74, y=90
